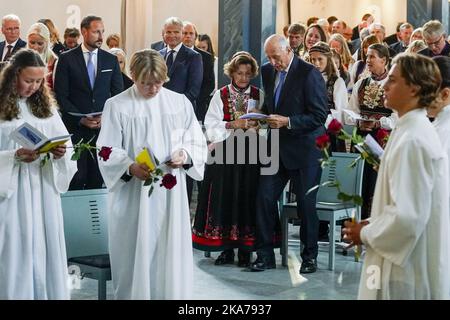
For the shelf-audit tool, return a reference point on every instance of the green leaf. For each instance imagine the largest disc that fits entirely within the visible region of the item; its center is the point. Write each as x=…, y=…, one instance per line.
x=148, y=182
x=76, y=155
x=344, y=197
x=358, y=200
x=150, y=191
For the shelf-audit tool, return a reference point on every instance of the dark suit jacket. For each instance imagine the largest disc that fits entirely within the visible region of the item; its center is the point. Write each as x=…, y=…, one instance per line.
x=186, y=74
x=72, y=88
x=304, y=100
x=445, y=52
x=158, y=45
x=19, y=45
x=208, y=84
x=398, y=47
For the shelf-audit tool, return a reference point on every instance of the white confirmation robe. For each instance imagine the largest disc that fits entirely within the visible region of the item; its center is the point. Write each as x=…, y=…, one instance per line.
x=407, y=239
x=150, y=240
x=33, y=263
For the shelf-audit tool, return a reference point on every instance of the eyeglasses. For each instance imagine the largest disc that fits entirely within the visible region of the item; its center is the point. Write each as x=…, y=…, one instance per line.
x=14, y=29
x=436, y=43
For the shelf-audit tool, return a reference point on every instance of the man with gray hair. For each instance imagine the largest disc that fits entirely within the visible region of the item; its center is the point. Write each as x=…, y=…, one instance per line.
x=406, y=30
x=435, y=37
x=11, y=31
x=184, y=67
x=296, y=102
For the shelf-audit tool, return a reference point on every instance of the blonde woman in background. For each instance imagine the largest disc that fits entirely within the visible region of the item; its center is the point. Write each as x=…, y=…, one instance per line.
x=56, y=44
x=38, y=39
x=416, y=46
x=122, y=59
x=338, y=42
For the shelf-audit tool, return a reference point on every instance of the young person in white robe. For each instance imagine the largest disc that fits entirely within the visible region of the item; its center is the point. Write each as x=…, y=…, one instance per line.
x=32, y=247
x=440, y=109
x=150, y=236
x=407, y=236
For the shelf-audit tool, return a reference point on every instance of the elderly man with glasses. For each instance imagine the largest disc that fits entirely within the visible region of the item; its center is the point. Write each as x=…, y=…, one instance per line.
x=435, y=38
x=12, y=43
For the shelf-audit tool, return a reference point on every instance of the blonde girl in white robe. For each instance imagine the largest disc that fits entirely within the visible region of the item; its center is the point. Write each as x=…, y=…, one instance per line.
x=150, y=237
x=33, y=263
x=407, y=236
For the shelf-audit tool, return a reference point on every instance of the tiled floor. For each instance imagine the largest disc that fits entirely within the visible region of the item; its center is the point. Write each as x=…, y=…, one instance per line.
x=232, y=283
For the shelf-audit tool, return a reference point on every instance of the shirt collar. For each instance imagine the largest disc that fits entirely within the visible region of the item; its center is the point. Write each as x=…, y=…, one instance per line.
x=415, y=113
x=290, y=63
x=11, y=44
x=176, y=49
x=86, y=50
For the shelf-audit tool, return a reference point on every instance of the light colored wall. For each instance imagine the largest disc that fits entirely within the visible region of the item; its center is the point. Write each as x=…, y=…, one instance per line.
x=64, y=13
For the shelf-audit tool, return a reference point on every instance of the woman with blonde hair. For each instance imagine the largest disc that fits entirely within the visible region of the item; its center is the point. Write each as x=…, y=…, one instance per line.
x=416, y=46
x=38, y=39
x=56, y=46
x=338, y=42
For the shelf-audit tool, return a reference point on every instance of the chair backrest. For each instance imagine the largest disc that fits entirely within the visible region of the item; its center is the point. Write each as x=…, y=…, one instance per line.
x=85, y=222
x=350, y=178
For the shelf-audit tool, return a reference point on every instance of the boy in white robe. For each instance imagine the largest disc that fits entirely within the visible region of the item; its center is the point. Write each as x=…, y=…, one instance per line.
x=33, y=262
x=407, y=236
x=440, y=109
x=150, y=236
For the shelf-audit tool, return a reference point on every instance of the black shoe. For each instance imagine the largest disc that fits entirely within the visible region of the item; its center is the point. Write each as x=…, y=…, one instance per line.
x=226, y=257
x=244, y=259
x=262, y=264
x=309, y=266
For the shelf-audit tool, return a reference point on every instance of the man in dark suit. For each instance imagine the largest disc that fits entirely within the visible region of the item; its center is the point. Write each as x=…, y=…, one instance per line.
x=434, y=36
x=296, y=101
x=85, y=78
x=12, y=43
x=185, y=69
x=406, y=29
x=208, y=82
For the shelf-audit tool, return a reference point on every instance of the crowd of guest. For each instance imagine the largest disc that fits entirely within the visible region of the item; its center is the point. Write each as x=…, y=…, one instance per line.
x=316, y=72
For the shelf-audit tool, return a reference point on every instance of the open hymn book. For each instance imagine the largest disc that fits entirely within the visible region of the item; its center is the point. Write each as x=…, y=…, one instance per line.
x=31, y=138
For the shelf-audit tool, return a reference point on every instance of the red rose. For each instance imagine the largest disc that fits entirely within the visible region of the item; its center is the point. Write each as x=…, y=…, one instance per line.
x=334, y=127
x=169, y=181
x=104, y=153
x=323, y=142
x=382, y=136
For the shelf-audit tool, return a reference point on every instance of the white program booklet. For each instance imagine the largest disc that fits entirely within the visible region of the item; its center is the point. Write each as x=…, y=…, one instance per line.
x=254, y=116
x=82, y=115
x=31, y=138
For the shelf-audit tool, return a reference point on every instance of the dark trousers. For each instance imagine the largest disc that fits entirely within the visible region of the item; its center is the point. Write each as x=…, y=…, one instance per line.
x=88, y=175
x=269, y=191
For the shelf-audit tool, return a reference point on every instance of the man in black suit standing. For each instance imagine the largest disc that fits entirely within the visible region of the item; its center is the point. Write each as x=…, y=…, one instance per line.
x=296, y=101
x=208, y=82
x=85, y=78
x=11, y=31
x=185, y=67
